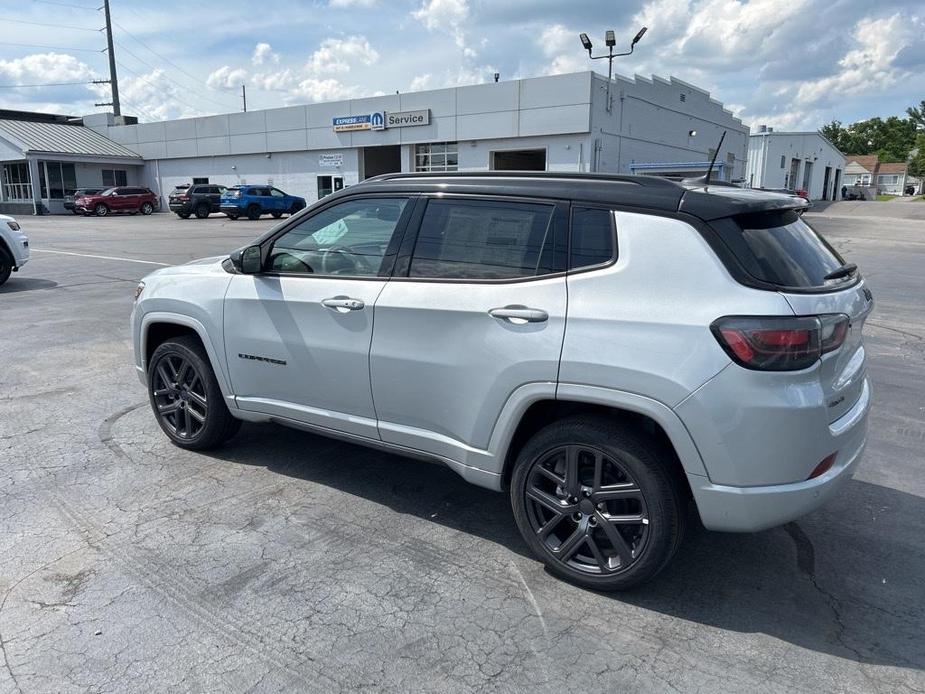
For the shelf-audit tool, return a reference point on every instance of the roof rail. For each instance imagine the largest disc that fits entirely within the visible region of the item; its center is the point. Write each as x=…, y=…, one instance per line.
x=648, y=181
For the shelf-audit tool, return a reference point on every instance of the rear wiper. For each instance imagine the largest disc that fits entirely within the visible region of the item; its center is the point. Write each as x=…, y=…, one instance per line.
x=843, y=271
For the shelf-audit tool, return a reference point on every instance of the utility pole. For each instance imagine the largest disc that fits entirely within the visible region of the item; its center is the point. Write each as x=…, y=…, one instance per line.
x=244, y=97
x=113, y=79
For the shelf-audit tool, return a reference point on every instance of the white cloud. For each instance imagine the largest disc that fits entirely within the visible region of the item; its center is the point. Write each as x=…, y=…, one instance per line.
x=263, y=53
x=227, y=77
x=561, y=46
x=422, y=82
x=154, y=95
x=339, y=55
x=313, y=89
x=869, y=66
x=41, y=68
x=448, y=16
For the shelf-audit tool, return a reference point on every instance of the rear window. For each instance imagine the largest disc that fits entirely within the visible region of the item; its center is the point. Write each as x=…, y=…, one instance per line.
x=781, y=249
x=469, y=239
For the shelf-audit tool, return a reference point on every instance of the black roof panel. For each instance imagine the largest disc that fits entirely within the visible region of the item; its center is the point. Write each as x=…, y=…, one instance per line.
x=644, y=192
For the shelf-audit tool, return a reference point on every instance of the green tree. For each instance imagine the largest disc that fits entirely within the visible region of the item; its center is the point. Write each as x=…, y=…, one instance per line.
x=890, y=139
x=917, y=114
x=917, y=163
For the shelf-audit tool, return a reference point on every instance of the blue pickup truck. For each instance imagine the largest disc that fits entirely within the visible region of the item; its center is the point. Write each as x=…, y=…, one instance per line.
x=252, y=201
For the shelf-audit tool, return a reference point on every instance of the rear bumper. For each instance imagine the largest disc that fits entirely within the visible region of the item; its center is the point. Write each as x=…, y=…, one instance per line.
x=747, y=509
x=180, y=207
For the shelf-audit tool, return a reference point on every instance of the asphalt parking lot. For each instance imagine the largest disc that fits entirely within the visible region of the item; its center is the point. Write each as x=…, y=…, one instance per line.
x=285, y=561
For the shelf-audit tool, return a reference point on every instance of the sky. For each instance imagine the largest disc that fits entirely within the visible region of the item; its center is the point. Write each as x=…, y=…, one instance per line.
x=790, y=64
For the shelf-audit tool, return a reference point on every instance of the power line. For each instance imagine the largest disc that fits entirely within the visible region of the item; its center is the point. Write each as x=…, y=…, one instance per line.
x=198, y=80
x=46, y=84
x=56, y=48
x=46, y=24
x=168, y=77
x=143, y=78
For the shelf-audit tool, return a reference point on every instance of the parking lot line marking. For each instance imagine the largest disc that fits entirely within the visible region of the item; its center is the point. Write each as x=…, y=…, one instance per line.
x=101, y=257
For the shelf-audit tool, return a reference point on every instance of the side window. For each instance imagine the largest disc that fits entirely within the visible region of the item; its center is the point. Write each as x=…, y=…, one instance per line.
x=592, y=239
x=482, y=239
x=277, y=193
x=349, y=239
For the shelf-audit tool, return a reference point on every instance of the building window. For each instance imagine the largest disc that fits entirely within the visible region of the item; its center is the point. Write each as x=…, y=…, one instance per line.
x=114, y=177
x=888, y=180
x=437, y=156
x=60, y=179
x=16, y=185
x=329, y=184
x=200, y=181
x=683, y=96
x=783, y=161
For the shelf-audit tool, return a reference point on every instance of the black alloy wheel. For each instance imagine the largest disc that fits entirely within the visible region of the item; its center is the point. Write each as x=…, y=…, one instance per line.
x=597, y=502
x=254, y=212
x=185, y=396
x=202, y=211
x=587, y=509
x=180, y=396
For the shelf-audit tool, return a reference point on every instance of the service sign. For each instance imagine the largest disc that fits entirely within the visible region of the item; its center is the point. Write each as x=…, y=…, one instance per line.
x=348, y=123
x=404, y=119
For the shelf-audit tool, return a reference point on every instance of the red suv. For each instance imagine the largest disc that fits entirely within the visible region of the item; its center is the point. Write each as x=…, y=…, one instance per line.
x=122, y=199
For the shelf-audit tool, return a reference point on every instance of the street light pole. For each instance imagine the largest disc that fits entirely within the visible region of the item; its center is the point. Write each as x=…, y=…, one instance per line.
x=610, y=40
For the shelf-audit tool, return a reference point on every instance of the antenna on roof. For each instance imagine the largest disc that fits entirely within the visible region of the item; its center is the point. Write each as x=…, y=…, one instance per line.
x=705, y=179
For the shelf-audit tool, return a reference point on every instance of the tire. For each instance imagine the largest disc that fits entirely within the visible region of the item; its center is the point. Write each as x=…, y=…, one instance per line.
x=276, y=215
x=254, y=212
x=202, y=211
x=178, y=409
x=577, y=546
x=6, y=266
x=296, y=207
x=146, y=208
x=183, y=215
x=100, y=210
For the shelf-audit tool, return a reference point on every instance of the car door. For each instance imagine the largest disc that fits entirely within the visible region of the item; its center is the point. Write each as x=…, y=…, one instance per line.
x=277, y=200
x=297, y=335
x=215, y=196
x=474, y=312
x=122, y=199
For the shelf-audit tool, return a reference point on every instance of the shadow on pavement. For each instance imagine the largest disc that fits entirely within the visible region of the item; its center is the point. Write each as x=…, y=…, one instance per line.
x=846, y=580
x=25, y=284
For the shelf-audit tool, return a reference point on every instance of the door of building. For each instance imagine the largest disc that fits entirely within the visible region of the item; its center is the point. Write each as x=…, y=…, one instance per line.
x=825, y=182
x=794, y=172
x=381, y=160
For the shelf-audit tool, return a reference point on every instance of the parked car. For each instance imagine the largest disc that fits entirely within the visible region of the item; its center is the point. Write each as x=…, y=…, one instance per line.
x=14, y=247
x=604, y=348
x=201, y=200
x=129, y=199
x=69, y=199
x=253, y=201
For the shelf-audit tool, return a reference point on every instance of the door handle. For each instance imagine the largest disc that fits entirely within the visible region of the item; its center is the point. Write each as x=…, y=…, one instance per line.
x=519, y=314
x=343, y=304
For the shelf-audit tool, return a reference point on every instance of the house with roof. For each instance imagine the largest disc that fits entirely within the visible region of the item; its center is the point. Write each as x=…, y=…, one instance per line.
x=888, y=178
x=45, y=157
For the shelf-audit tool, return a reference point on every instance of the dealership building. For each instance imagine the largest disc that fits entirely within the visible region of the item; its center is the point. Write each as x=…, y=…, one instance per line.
x=571, y=122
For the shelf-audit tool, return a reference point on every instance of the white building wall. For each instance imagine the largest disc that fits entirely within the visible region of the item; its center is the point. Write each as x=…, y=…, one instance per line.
x=764, y=169
x=649, y=123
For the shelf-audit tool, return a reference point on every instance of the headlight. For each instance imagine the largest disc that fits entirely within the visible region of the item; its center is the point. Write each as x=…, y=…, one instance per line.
x=13, y=225
x=138, y=290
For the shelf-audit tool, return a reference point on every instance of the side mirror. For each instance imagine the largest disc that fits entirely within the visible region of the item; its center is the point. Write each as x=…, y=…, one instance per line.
x=246, y=260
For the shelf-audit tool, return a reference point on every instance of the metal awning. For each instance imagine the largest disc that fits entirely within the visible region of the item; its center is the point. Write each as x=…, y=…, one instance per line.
x=59, y=139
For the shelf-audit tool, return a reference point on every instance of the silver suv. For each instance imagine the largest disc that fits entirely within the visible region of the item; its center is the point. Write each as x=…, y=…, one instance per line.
x=605, y=348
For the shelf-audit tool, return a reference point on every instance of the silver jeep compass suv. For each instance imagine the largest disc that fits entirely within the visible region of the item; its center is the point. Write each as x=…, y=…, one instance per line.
x=605, y=348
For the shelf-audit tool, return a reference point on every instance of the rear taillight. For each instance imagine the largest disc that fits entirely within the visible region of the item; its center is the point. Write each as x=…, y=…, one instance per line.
x=834, y=330
x=767, y=343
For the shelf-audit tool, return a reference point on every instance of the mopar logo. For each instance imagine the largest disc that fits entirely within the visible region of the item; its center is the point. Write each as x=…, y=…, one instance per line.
x=377, y=120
